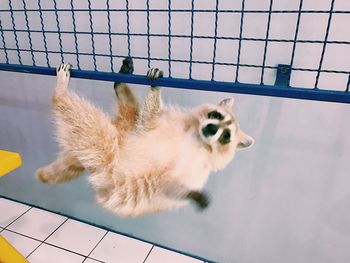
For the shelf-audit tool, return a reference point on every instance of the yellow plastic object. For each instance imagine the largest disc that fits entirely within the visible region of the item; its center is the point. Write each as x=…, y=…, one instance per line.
x=9, y=161
x=8, y=254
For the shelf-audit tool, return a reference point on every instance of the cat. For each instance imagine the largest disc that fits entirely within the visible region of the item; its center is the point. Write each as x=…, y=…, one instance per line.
x=149, y=158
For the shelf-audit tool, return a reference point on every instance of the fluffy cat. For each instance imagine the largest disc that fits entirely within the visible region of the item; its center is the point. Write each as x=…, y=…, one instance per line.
x=147, y=159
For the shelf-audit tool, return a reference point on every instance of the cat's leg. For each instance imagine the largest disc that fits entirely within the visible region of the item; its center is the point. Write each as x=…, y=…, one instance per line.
x=153, y=105
x=83, y=129
x=66, y=167
x=175, y=190
x=134, y=196
x=127, y=107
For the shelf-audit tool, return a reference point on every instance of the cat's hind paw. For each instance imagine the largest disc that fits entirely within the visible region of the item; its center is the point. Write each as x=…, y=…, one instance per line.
x=127, y=67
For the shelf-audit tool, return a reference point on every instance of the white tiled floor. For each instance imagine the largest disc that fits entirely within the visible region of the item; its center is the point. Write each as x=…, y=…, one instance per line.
x=13, y=211
x=43, y=237
x=159, y=255
x=89, y=260
x=118, y=246
x=41, y=222
x=23, y=244
x=77, y=237
x=47, y=253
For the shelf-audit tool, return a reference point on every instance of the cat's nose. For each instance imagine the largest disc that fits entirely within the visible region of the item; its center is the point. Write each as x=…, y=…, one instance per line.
x=210, y=130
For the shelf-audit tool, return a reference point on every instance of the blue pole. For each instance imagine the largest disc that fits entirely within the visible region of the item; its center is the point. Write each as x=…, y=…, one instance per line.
x=218, y=86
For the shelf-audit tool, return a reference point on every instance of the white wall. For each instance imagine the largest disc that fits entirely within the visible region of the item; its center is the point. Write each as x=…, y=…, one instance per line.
x=285, y=200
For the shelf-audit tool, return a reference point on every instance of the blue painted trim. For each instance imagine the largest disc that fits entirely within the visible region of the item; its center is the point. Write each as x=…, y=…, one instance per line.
x=177, y=10
x=107, y=229
x=219, y=86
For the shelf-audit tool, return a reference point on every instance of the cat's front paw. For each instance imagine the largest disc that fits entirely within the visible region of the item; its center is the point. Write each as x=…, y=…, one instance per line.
x=63, y=74
x=200, y=198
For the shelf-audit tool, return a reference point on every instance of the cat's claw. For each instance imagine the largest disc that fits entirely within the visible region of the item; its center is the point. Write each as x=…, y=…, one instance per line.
x=65, y=67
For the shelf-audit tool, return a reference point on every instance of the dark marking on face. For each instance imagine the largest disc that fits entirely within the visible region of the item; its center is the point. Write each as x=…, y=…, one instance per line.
x=215, y=115
x=225, y=137
x=210, y=130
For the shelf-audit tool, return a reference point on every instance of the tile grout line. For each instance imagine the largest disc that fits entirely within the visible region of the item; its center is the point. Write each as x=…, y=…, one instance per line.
x=93, y=259
x=56, y=229
x=23, y=235
x=34, y=250
x=18, y=217
x=43, y=242
x=62, y=248
x=97, y=244
x=149, y=252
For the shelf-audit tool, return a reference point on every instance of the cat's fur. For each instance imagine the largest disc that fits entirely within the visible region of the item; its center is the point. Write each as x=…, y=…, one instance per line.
x=146, y=159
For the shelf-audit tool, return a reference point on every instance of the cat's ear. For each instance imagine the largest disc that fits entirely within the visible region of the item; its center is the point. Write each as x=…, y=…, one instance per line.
x=245, y=141
x=228, y=103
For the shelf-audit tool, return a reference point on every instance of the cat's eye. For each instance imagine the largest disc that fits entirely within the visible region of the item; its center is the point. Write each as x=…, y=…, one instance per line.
x=225, y=137
x=215, y=115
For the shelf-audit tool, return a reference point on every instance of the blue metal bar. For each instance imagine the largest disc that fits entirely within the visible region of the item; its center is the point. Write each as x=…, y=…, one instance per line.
x=59, y=31
x=148, y=37
x=92, y=36
x=43, y=31
x=29, y=33
x=4, y=43
x=296, y=32
x=324, y=45
x=75, y=33
x=215, y=39
x=15, y=33
x=266, y=42
x=110, y=35
x=169, y=37
x=240, y=41
x=186, y=10
x=128, y=26
x=254, y=89
x=191, y=37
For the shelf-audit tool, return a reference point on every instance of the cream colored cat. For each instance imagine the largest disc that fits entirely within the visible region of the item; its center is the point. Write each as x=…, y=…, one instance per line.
x=147, y=159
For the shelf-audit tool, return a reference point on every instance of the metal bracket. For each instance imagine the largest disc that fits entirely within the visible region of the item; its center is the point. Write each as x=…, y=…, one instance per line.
x=283, y=75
